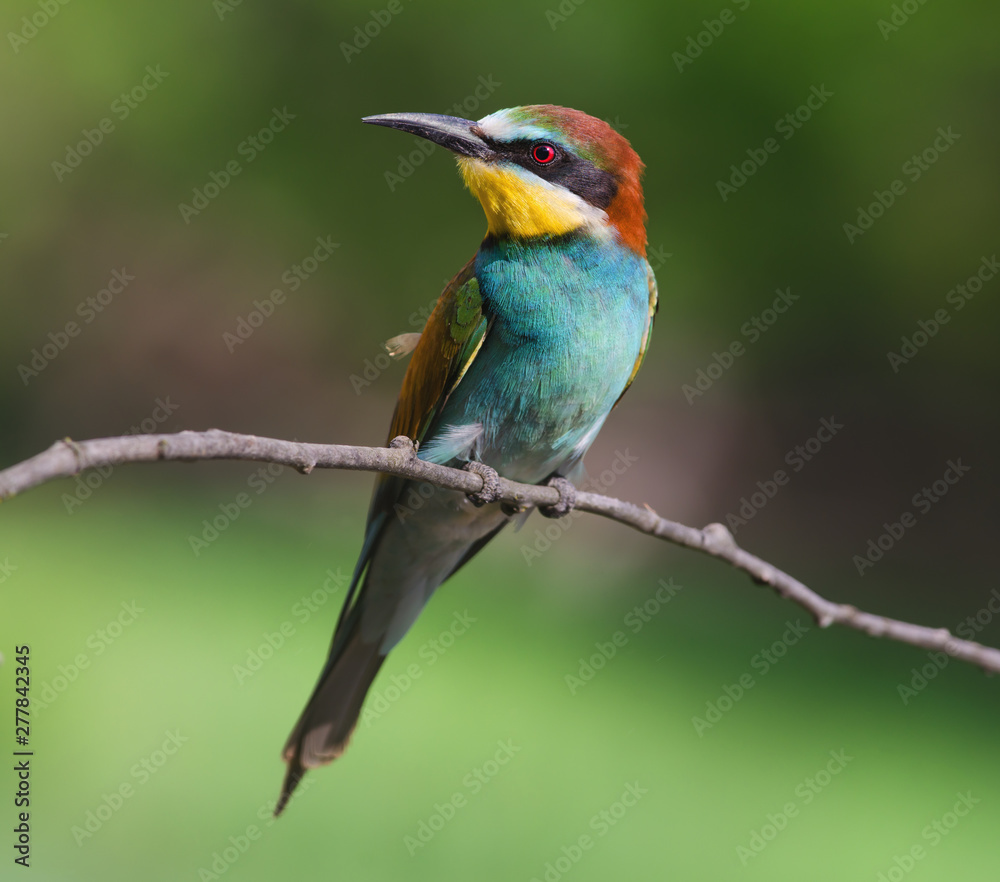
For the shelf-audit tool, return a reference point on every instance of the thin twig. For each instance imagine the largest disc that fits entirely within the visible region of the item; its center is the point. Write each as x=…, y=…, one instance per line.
x=67, y=458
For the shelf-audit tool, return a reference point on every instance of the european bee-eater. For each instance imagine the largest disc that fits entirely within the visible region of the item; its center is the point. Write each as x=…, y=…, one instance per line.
x=529, y=348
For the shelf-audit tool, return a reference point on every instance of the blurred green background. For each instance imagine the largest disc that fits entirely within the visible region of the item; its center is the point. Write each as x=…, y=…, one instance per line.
x=748, y=796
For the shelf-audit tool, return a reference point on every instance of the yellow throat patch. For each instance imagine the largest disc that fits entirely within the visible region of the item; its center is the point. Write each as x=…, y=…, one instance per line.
x=516, y=205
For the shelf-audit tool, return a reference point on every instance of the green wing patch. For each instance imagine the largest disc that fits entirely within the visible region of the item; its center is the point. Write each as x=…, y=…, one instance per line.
x=654, y=305
x=448, y=345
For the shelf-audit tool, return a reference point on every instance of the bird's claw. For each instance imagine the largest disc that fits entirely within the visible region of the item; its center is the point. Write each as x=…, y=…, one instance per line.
x=567, y=498
x=490, y=491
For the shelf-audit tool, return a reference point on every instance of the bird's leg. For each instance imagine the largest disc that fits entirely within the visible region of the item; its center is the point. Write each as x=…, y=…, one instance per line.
x=490, y=491
x=567, y=498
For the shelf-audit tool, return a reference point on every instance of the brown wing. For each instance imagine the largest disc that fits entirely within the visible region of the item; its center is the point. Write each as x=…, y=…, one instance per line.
x=449, y=343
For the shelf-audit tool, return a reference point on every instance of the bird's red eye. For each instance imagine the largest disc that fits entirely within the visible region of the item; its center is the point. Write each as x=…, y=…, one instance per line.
x=543, y=154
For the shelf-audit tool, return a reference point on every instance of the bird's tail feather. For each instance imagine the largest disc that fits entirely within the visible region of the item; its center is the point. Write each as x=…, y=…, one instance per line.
x=322, y=732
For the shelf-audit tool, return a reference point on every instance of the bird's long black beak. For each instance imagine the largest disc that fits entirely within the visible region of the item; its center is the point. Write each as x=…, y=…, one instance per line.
x=449, y=131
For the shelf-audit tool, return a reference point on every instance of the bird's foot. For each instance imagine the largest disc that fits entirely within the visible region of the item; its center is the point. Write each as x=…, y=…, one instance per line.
x=490, y=491
x=567, y=498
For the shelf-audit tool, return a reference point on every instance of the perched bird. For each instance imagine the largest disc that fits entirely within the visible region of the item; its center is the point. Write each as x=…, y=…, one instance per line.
x=529, y=348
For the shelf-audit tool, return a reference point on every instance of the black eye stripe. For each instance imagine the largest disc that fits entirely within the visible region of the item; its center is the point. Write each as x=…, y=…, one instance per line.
x=579, y=176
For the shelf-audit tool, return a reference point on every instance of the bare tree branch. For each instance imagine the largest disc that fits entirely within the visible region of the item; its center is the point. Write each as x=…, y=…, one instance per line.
x=67, y=458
